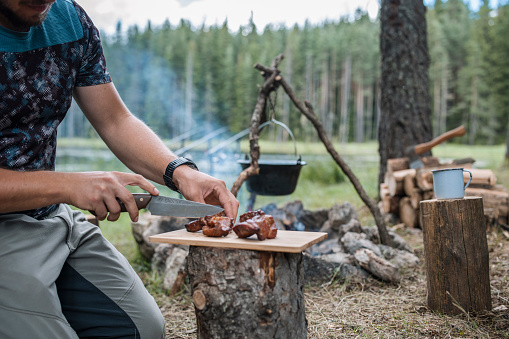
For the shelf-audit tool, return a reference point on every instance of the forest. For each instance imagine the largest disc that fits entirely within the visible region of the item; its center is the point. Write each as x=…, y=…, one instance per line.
x=179, y=78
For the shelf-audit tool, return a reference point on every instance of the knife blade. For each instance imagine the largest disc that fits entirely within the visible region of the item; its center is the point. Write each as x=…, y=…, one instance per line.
x=161, y=205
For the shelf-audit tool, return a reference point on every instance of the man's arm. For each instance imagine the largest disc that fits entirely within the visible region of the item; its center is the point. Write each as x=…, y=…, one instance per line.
x=140, y=149
x=94, y=191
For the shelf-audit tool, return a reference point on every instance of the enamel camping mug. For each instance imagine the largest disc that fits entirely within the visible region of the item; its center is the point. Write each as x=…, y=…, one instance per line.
x=448, y=183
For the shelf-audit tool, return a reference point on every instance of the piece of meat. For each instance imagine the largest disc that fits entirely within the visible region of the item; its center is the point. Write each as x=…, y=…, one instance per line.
x=250, y=215
x=267, y=226
x=194, y=226
x=261, y=224
x=246, y=229
x=272, y=227
x=217, y=225
x=218, y=231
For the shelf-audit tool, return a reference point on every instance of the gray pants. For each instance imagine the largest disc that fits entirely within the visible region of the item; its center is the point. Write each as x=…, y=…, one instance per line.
x=60, y=278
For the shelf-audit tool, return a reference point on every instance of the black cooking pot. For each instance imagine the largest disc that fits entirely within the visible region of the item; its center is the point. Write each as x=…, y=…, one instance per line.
x=276, y=177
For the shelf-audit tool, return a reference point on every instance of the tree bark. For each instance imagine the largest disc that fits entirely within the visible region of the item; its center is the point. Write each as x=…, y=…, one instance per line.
x=405, y=101
x=456, y=251
x=345, y=97
x=359, y=108
x=247, y=294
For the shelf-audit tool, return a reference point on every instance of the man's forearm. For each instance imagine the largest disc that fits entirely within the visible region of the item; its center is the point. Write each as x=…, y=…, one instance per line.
x=139, y=148
x=20, y=191
x=133, y=142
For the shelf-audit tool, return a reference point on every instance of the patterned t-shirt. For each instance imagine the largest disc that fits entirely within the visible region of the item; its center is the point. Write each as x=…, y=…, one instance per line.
x=38, y=71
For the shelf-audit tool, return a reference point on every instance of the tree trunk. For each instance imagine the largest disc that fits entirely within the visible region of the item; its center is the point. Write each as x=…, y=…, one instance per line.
x=378, y=107
x=286, y=100
x=369, y=114
x=309, y=80
x=472, y=131
x=436, y=104
x=507, y=145
x=456, y=251
x=324, y=95
x=188, y=121
x=359, y=117
x=443, y=102
x=247, y=294
x=345, y=97
x=405, y=100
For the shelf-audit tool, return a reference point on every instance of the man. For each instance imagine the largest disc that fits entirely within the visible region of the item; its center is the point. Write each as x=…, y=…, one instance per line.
x=59, y=277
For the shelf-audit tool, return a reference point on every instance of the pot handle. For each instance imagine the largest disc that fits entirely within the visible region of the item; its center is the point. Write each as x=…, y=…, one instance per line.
x=274, y=121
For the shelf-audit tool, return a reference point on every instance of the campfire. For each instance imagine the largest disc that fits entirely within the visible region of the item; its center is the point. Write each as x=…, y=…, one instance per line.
x=351, y=251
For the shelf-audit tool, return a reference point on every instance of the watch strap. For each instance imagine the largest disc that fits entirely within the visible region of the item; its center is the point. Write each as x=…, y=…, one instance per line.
x=168, y=174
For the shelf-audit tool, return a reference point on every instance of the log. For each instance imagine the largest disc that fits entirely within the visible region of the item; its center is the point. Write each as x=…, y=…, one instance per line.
x=430, y=161
x=492, y=199
x=407, y=213
x=415, y=197
x=421, y=179
x=395, y=181
x=390, y=204
x=409, y=184
x=397, y=164
x=376, y=265
x=456, y=252
x=244, y=293
x=480, y=177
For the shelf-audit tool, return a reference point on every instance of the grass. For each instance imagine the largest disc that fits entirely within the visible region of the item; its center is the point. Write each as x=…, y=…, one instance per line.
x=344, y=309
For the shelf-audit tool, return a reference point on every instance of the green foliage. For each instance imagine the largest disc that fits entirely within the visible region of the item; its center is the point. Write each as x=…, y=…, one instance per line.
x=324, y=172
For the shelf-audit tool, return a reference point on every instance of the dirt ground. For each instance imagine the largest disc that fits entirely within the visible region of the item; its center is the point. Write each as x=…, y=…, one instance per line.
x=376, y=309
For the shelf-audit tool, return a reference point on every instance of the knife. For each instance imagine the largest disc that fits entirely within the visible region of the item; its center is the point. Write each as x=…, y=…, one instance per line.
x=161, y=205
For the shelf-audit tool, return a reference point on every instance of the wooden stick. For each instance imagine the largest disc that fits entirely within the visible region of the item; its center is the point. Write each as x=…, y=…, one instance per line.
x=269, y=85
x=307, y=110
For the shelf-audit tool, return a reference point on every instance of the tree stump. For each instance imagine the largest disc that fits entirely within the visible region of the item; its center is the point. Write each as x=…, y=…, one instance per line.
x=247, y=294
x=456, y=251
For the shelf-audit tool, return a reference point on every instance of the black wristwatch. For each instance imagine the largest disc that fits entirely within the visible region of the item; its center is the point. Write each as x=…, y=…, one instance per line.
x=168, y=174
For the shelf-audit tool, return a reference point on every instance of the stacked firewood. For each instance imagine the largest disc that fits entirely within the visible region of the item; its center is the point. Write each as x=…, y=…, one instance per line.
x=404, y=188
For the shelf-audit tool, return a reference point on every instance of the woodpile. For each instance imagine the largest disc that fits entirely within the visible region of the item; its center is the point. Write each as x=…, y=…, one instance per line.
x=404, y=188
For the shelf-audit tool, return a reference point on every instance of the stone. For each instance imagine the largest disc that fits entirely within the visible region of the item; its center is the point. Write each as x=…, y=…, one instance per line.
x=314, y=220
x=399, y=258
x=327, y=246
x=355, y=241
x=341, y=214
x=318, y=271
x=353, y=225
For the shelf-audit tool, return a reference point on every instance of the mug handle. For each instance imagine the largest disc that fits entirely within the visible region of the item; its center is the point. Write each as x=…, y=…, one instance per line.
x=469, y=180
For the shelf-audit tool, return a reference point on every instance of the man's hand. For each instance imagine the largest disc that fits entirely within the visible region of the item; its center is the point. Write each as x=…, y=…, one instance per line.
x=98, y=193
x=200, y=187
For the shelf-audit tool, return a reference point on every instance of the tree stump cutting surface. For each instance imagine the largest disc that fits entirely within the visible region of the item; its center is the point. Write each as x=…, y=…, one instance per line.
x=456, y=251
x=247, y=294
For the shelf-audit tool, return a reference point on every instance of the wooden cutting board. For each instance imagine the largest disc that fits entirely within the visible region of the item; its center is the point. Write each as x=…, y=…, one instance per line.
x=285, y=241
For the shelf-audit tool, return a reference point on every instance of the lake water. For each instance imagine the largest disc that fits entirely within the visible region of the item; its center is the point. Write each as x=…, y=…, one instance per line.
x=222, y=165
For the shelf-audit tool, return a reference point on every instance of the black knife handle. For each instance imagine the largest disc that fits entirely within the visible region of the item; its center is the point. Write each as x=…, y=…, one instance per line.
x=141, y=199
